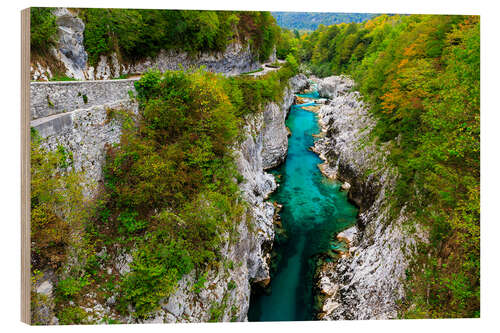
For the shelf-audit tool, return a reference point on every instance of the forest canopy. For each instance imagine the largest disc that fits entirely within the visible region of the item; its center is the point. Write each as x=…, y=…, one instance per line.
x=311, y=21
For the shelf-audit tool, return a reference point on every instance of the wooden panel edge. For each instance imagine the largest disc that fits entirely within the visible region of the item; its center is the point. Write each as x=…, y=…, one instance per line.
x=25, y=169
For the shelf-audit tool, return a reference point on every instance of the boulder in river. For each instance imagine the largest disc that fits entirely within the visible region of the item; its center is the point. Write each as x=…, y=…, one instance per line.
x=327, y=287
x=345, y=186
x=327, y=171
x=299, y=100
x=329, y=306
x=312, y=108
x=348, y=235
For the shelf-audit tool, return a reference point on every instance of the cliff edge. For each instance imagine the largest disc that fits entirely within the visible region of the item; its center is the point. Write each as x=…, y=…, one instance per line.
x=367, y=281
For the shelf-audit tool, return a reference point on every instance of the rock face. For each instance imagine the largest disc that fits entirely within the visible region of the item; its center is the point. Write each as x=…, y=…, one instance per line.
x=333, y=86
x=345, y=186
x=348, y=235
x=369, y=278
x=45, y=288
x=70, y=50
x=234, y=60
x=42, y=303
x=275, y=141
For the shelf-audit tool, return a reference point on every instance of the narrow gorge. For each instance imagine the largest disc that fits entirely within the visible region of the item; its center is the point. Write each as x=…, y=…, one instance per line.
x=243, y=177
x=281, y=248
x=312, y=210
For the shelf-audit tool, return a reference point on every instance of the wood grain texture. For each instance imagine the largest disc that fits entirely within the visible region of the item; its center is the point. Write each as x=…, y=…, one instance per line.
x=25, y=168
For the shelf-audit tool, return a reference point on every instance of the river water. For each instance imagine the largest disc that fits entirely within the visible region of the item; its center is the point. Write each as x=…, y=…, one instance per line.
x=314, y=210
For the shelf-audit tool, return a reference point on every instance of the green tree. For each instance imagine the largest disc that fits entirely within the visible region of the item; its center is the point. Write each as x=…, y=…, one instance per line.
x=43, y=29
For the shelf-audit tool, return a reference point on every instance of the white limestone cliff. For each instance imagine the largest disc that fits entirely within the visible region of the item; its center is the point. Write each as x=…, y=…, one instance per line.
x=368, y=280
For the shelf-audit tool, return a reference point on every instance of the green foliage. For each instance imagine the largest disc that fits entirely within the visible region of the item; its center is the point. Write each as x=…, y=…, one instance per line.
x=57, y=205
x=287, y=43
x=234, y=313
x=420, y=75
x=72, y=315
x=263, y=32
x=160, y=261
x=249, y=94
x=62, y=78
x=43, y=33
x=290, y=59
x=138, y=33
x=147, y=86
x=200, y=283
x=217, y=312
x=188, y=124
x=260, y=69
x=129, y=223
x=70, y=287
x=231, y=285
x=109, y=321
x=334, y=49
x=92, y=266
x=65, y=157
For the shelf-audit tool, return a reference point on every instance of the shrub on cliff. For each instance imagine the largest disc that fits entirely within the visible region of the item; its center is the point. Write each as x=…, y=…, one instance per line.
x=250, y=94
x=290, y=59
x=43, y=29
x=57, y=205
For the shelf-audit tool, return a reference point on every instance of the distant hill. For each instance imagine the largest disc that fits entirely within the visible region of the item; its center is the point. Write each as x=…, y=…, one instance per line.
x=310, y=21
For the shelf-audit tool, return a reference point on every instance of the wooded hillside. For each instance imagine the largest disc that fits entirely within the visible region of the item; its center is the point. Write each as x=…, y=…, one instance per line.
x=420, y=75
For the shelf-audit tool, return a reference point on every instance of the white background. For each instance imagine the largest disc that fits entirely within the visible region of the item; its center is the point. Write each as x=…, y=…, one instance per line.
x=10, y=163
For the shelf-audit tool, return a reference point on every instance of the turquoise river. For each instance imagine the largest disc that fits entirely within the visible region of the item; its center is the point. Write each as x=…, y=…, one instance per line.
x=314, y=210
